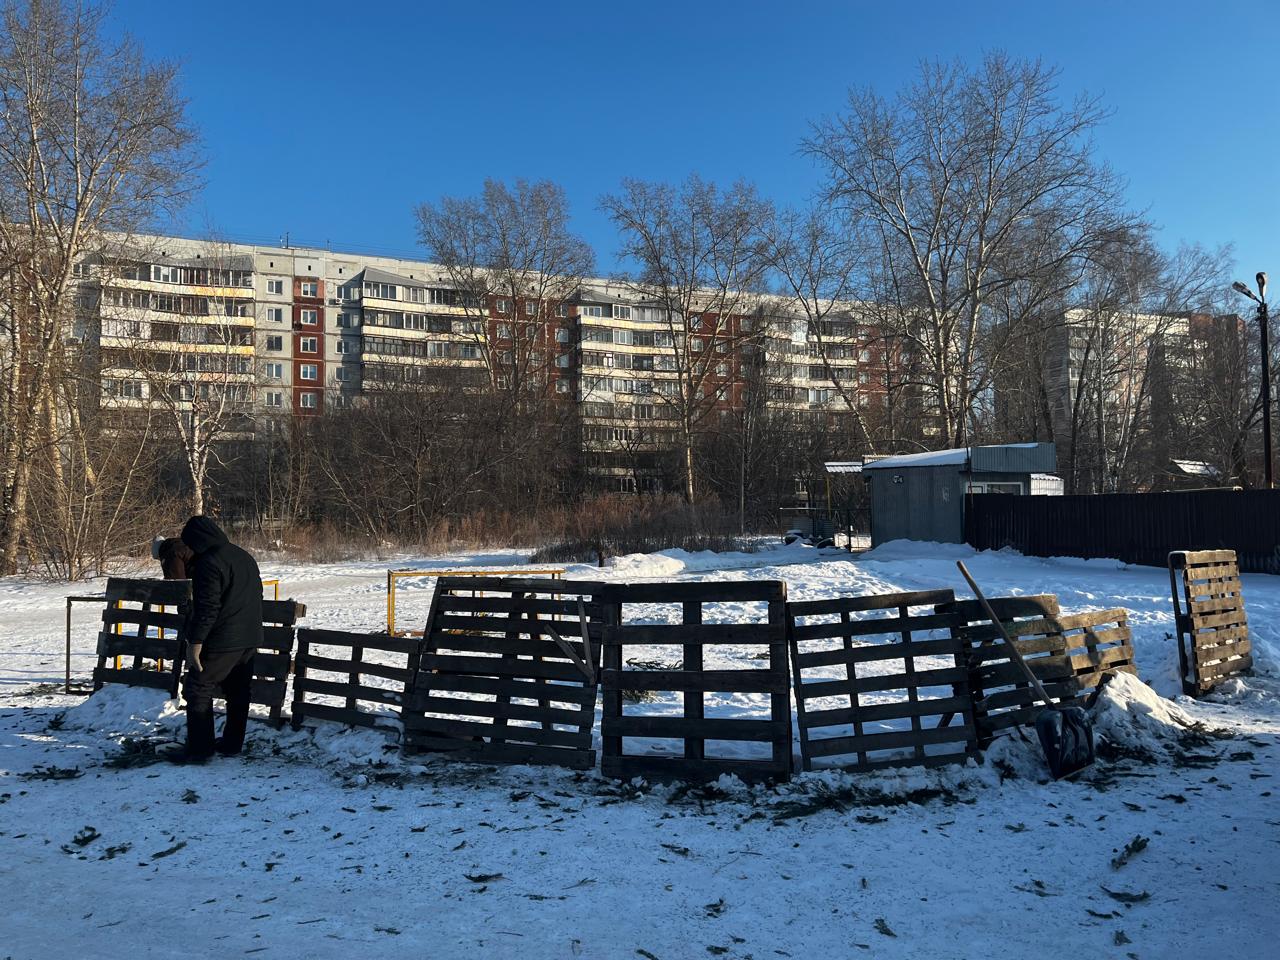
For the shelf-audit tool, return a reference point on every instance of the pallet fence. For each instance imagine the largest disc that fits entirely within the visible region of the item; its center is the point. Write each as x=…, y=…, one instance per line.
x=324, y=675
x=274, y=658
x=136, y=603
x=508, y=672
x=895, y=692
x=1208, y=608
x=771, y=727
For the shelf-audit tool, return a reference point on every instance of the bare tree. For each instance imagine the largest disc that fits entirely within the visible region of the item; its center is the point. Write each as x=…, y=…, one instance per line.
x=516, y=265
x=968, y=184
x=188, y=353
x=93, y=140
x=820, y=265
x=700, y=262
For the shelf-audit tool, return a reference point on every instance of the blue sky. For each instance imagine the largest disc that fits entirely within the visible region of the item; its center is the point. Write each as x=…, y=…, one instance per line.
x=332, y=120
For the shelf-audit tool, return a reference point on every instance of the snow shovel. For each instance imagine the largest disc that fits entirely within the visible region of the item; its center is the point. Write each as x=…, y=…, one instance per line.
x=1065, y=732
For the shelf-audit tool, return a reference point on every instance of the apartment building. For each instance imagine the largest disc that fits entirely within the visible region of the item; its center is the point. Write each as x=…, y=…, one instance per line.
x=294, y=331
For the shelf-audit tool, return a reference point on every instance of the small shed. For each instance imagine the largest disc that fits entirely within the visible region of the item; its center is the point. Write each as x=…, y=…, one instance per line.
x=921, y=496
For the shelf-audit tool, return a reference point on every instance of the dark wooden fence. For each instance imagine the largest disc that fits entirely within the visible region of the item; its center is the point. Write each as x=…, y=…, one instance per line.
x=1134, y=527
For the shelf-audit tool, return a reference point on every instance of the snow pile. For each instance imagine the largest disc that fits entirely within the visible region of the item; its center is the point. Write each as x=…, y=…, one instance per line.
x=675, y=562
x=119, y=710
x=921, y=550
x=1132, y=716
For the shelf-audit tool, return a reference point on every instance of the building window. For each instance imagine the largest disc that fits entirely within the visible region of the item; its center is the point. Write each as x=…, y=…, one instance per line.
x=348, y=321
x=275, y=398
x=592, y=311
x=307, y=401
x=310, y=317
x=530, y=308
x=562, y=310
x=502, y=306
x=308, y=288
x=620, y=312
x=342, y=375
x=468, y=351
x=275, y=286
x=275, y=343
x=165, y=274
x=309, y=345
x=348, y=346
x=308, y=371
x=275, y=371
x=275, y=314
x=383, y=291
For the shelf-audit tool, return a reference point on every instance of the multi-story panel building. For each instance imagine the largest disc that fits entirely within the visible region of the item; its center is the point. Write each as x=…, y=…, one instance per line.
x=304, y=330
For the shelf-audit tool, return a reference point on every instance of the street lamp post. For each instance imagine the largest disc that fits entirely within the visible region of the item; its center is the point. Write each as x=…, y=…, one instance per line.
x=1263, y=333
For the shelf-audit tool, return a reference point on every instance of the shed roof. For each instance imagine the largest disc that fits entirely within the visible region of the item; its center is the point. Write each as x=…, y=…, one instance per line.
x=1003, y=457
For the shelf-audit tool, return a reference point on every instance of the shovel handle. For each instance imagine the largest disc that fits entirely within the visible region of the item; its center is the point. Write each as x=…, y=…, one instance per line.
x=1014, y=653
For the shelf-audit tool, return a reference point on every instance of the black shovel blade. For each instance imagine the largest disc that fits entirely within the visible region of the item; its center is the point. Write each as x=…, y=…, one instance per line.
x=1066, y=736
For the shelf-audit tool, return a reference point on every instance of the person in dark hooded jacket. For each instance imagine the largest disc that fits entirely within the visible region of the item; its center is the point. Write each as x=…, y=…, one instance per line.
x=224, y=632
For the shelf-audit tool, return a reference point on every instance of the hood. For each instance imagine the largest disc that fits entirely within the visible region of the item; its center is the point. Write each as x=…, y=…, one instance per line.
x=201, y=534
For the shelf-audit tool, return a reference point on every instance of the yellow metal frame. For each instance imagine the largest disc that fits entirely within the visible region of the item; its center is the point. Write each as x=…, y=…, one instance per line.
x=394, y=576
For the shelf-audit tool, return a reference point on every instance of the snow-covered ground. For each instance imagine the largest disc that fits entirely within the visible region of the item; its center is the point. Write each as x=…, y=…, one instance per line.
x=325, y=844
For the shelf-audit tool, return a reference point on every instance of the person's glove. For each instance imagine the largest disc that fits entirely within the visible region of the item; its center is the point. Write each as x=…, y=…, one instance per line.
x=193, y=655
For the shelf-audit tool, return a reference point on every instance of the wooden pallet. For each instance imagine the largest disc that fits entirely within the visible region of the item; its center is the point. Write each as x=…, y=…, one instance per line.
x=508, y=672
x=323, y=676
x=693, y=727
x=872, y=692
x=1068, y=654
x=274, y=658
x=1208, y=608
x=132, y=612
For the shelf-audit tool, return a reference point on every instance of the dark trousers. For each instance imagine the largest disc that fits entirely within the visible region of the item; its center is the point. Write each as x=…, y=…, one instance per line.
x=228, y=673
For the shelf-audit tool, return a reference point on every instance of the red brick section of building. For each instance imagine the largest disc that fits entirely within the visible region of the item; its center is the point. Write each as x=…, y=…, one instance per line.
x=308, y=346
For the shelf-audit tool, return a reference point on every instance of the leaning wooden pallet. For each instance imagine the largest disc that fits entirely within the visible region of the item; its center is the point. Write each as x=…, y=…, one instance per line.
x=898, y=681
x=508, y=672
x=1209, y=615
x=1069, y=654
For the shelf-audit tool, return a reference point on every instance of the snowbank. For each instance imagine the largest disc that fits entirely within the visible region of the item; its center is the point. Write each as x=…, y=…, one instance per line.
x=117, y=710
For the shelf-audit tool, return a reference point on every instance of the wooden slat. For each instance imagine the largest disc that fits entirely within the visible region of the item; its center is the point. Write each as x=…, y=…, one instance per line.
x=871, y=627
x=895, y=710
x=350, y=718
x=511, y=732
x=348, y=690
x=157, y=592
x=123, y=645
x=1215, y=588
x=135, y=678
x=707, y=681
x=500, y=666
x=699, y=633
x=462, y=707
x=311, y=661
x=676, y=728
x=522, y=753
x=885, y=601
x=894, y=739
x=152, y=618
x=367, y=641
x=526, y=689
x=478, y=643
x=873, y=653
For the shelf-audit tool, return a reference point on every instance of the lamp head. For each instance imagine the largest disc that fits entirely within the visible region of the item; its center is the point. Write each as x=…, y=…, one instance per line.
x=1240, y=288
x=1262, y=285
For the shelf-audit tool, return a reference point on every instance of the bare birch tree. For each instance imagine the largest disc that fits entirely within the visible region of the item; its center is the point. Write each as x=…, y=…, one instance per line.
x=700, y=263
x=93, y=139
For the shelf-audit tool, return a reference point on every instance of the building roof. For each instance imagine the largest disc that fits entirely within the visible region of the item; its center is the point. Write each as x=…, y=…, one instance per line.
x=844, y=466
x=1036, y=456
